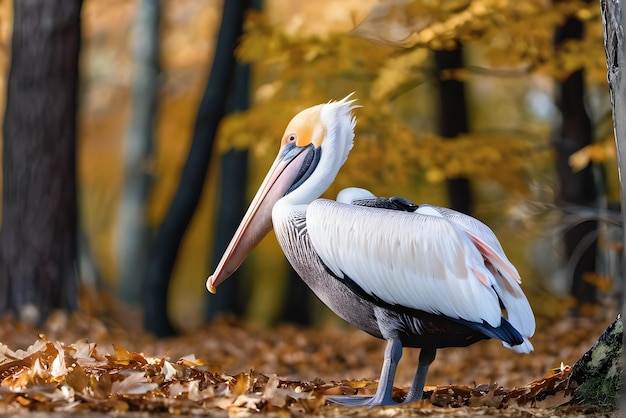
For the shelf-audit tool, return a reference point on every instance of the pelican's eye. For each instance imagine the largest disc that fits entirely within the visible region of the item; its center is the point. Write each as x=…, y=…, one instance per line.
x=292, y=138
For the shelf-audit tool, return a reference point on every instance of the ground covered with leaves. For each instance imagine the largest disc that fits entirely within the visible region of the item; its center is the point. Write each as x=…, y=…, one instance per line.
x=81, y=363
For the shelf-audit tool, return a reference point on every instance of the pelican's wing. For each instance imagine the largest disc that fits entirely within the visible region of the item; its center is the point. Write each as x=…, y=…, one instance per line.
x=415, y=260
x=506, y=277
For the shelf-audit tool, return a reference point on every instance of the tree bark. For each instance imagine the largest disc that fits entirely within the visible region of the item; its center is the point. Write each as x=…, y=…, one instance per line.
x=39, y=211
x=135, y=234
x=576, y=188
x=614, y=22
x=453, y=121
x=164, y=249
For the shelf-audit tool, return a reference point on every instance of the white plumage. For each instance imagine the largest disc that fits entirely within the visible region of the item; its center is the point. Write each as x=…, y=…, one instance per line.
x=421, y=260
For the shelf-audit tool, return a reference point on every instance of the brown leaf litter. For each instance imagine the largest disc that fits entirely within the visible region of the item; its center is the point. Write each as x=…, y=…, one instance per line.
x=232, y=369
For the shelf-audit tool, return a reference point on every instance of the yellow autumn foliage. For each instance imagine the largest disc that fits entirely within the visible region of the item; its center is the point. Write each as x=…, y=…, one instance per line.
x=300, y=60
x=596, y=153
x=298, y=69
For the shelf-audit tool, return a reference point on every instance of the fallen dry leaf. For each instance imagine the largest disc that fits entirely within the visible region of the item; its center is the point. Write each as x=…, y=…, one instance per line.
x=287, y=371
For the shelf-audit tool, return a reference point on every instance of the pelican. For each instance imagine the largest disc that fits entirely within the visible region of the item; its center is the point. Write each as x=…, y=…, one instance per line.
x=417, y=276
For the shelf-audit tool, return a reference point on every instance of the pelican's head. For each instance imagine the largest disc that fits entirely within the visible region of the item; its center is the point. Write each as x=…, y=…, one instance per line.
x=313, y=148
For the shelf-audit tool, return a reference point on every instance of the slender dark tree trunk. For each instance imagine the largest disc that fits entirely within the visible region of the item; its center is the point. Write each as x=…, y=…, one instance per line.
x=298, y=305
x=134, y=233
x=39, y=214
x=165, y=246
x=614, y=21
x=232, y=187
x=453, y=121
x=232, y=205
x=577, y=189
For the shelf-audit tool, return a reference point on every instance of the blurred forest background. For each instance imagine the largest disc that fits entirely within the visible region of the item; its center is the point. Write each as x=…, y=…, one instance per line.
x=497, y=108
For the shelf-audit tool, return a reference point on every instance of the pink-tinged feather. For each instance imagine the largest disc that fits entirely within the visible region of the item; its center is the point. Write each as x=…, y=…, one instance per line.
x=483, y=279
x=503, y=266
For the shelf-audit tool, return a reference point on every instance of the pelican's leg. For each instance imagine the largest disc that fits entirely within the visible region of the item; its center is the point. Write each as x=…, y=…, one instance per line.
x=427, y=356
x=393, y=353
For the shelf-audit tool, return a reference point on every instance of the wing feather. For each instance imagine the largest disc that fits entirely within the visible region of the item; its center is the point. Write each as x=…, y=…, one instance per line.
x=483, y=237
x=416, y=260
x=506, y=278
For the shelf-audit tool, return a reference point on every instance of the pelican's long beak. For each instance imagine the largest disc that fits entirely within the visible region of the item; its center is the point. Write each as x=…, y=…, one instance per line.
x=292, y=163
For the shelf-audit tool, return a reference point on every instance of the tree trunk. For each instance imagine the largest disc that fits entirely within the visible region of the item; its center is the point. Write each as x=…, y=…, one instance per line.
x=614, y=21
x=135, y=234
x=39, y=211
x=298, y=303
x=164, y=249
x=453, y=121
x=232, y=200
x=576, y=188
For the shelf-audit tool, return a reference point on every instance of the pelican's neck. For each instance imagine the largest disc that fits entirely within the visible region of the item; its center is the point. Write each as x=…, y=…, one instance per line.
x=284, y=208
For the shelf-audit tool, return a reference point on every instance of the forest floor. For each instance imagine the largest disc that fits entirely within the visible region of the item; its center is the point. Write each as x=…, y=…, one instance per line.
x=98, y=364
